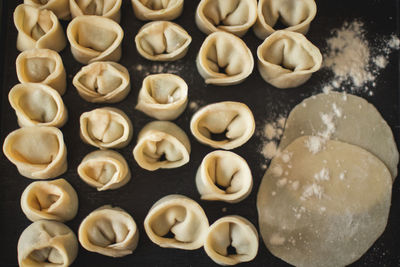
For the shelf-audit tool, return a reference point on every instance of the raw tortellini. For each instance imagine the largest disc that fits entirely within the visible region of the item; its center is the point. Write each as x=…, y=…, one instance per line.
x=50, y=200
x=344, y=117
x=224, y=59
x=287, y=59
x=225, y=125
x=42, y=66
x=38, y=28
x=103, y=82
x=180, y=216
x=37, y=104
x=295, y=14
x=59, y=7
x=231, y=231
x=106, y=128
x=162, y=41
x=224, y=176
x=163, y=96
x=234, y=16
x=325, y=208
x=95, y=38
x=37, y=152
x=157, y=9
x=161, y=144
x=104, y=169
x=106, y=8
x=47, y=243
x=109, y=231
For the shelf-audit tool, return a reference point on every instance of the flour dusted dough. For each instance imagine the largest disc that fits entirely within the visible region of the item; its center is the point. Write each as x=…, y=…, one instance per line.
x=287, y=59
x=157, y=9
x=38, y=28
x=50, y=200
x=106, y=128
x=104, y=170
x=234, y=231
x=181, y=216
x=234, y=16
x=232, y=119
x=163, y=96
x=106, y=8
x=224, y=169
x=162, y=41
x=37, y=152
x=324, y=209
x=160, y=139
x=59, y=7
x=37, y=104
x=295, y=14
x=103, y=82
x=42, y=66
x=95, y=38
x=109, y=231
x=222, y=50
x=360, y=124
x=47, y=243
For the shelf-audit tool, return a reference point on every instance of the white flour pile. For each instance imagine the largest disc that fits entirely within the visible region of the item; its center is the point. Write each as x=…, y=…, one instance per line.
x=354, y=62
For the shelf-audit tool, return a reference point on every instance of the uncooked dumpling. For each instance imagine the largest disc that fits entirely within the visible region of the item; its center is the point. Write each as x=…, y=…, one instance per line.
x=95, y=38
x=157, y=9
x=104, y=169
x=295, y=14
x=325, y=208
x=103, y=82
x=50, y=200
x=163, y=96
x=38, y=28
x=37, y=104
x=287, y=59
x=42, y=66
x=47, y=243
x=106, y=128
x=180, y=216
x=109, y=231
x=234, y=16
x=224, y=176
x=37, y=152
x=224, y=59
x=162, y=41
x=161, y=144
x=231, y=231
x=59, y=7
x=225, y=125
x=106, y=8
x=346, y=118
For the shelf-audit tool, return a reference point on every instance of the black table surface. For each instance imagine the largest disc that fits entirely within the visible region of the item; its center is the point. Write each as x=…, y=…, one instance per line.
x=267, y=103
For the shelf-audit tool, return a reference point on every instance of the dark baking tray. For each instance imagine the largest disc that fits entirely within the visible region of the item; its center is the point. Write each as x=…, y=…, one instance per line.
x=267, y=103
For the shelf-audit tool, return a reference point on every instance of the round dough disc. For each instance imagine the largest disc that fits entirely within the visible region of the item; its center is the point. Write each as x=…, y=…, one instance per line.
x=323, y=209
x=359, y=123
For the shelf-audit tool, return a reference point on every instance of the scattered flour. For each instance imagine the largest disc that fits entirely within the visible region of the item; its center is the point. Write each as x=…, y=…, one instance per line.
x=317, y=142
x=355, y=62
x=271, y=134
x=312, y=190
x=323, y=175
x=168, y=67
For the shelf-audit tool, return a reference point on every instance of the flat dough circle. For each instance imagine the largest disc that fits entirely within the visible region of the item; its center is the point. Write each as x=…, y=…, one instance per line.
x=324, y=209
x=360, y=124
